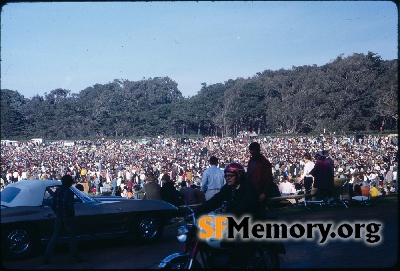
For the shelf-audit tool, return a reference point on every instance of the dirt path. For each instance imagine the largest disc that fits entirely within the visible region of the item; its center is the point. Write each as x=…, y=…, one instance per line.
x=307, y=254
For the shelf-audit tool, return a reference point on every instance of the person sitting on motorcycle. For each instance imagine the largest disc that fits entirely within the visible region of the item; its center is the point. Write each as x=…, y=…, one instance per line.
x=242, y=199
x=239, y=194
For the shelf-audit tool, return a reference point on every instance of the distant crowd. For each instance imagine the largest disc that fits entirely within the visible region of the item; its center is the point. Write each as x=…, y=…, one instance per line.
x=369, y=158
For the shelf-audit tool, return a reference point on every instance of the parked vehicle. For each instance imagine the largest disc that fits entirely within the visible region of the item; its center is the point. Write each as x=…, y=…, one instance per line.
x=213, y=254
x=27, y=220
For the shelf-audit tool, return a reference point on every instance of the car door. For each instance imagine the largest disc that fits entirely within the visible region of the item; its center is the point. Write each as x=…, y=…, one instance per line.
x=46, y=224
x=116, y=216
x=101, y=218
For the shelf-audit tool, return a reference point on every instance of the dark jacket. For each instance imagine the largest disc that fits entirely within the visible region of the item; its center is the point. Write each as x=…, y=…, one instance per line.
x=170, y=194
x=241, y=201
x=188, y=195
x=152, y=190
x=63, y=202
x=259, y=172
x=323, y=175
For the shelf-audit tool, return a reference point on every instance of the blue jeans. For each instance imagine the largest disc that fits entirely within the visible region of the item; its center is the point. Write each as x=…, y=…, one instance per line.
x=68, y=223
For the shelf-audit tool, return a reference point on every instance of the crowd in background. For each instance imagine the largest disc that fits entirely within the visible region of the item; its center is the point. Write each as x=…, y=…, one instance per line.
x=368, y=159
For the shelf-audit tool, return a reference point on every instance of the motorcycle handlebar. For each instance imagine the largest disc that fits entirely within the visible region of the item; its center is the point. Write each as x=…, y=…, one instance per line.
x=191, y=218
x=222, y=209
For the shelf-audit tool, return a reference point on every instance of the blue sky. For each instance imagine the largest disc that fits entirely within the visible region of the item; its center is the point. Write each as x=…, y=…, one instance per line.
x=45, y=46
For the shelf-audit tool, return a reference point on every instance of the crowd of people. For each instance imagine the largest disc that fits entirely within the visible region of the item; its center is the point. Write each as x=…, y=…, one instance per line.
x=122, y=166
x=243, y=172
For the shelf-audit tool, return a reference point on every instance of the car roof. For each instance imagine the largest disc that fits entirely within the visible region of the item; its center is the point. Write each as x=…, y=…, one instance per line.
x=31, y=192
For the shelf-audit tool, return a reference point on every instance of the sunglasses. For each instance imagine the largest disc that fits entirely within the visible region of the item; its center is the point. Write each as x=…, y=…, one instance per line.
x=228, y=176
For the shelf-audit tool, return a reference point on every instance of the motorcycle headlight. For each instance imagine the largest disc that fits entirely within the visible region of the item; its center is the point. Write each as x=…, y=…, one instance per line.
x=182, y=234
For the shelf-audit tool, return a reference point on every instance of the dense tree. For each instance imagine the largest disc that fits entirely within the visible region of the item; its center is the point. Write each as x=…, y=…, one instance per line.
x=13, y=122
x=349, y=94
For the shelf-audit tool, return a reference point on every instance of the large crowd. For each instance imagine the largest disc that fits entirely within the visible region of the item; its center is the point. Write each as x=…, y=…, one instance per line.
x=369, y=158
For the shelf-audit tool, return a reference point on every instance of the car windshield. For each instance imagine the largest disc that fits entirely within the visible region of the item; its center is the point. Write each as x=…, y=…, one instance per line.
x=85, y=198
x=9, y=193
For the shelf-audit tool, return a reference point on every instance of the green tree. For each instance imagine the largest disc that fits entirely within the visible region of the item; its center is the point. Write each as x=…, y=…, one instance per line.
x=13, y=122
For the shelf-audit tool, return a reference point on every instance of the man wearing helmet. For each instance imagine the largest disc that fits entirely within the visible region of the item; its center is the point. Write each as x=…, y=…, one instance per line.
x=240, y=195
x=259, y=172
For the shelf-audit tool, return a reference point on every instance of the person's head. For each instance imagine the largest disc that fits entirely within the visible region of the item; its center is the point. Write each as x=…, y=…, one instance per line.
x=165, y=178
x=234, y=174
x=325, y=153
x=254, y=148
x=150, y=177
x=183, y=184
x=213, y=160
x=79, y=187
x=67, y=180
x=307, y=156
x=319, y=155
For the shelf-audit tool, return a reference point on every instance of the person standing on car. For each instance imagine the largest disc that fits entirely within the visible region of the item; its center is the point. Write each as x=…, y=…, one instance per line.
x=63, y=207
x=213, y=179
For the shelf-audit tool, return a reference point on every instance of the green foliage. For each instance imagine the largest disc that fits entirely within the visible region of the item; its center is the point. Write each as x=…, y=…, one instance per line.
x=357, y=93
x=13, y=122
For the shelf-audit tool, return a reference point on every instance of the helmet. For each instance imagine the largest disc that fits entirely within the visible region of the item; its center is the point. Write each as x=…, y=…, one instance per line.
x=235, y=168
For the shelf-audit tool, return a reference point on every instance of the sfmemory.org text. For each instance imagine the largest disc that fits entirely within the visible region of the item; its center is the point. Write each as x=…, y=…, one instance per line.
x=227, y=227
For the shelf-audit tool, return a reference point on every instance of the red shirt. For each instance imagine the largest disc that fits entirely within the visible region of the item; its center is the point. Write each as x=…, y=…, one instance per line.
x=259, y=172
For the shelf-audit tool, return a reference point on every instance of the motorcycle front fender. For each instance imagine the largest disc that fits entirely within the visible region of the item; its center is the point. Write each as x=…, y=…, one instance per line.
x=173, y=260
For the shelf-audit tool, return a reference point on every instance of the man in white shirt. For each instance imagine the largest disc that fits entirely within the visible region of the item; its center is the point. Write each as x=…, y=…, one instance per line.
x=213, y=179
x=24, y=175
x=389, y=176
x=128, y=175
x=395, y=176
x=306, y=176
x=15, y=176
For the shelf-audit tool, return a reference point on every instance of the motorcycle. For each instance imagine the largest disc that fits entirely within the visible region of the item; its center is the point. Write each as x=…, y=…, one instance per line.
x=213, y=253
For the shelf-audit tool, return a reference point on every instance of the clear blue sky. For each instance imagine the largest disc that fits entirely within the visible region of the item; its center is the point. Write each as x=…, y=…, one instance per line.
x=45, y=46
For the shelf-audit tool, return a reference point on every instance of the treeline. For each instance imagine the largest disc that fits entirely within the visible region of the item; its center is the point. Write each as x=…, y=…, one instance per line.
x=352, y=94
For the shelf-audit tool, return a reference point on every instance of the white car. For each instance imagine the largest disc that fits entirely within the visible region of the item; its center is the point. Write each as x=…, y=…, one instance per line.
x=27, y=219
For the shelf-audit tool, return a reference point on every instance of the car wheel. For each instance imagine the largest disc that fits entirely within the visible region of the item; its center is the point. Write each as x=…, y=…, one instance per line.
x=19, y=242
x=147, y=229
